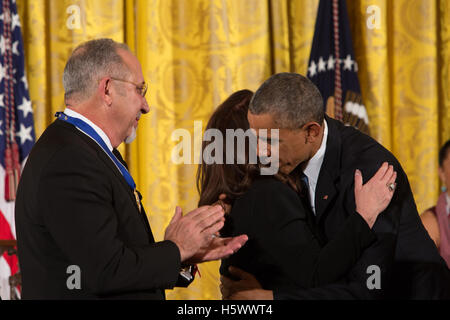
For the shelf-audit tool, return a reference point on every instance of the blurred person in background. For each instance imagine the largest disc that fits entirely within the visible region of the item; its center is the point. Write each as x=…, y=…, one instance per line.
x=437, y=219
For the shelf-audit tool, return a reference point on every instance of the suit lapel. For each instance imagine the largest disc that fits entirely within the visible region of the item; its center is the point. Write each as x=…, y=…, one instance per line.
x=142, y=211
x=124, y=183
x=109, y=163
x=326, y=189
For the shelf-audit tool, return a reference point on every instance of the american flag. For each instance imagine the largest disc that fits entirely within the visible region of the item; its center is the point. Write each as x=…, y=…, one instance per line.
x=16, y=129
x=332, y=66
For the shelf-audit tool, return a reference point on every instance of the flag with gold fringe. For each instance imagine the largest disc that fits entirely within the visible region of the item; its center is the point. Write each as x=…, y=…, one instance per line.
x=332, y=66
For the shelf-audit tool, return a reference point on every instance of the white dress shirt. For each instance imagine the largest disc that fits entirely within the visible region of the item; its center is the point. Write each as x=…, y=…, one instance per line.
x=312, y=169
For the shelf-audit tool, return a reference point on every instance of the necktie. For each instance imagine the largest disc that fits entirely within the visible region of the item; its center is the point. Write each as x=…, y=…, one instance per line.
x=304, y=195
x=305, y=189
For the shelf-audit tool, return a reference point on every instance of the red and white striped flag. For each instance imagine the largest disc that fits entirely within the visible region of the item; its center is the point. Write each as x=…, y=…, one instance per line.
x=16, y=130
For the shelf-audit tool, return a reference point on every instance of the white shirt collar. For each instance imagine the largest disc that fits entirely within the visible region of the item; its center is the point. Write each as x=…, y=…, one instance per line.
x=315, y=163
x=101, y=133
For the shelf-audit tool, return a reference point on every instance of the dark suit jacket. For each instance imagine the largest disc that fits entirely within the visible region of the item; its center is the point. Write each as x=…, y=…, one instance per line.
x=410, y=265
x=282, y=251
x=74, y=207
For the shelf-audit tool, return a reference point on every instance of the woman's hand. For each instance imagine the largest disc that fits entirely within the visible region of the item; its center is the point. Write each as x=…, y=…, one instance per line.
x=246, y=288
x=373, y=197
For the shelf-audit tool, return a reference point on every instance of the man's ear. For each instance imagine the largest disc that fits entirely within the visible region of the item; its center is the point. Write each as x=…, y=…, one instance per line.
x=104, y=90
x=313, y=130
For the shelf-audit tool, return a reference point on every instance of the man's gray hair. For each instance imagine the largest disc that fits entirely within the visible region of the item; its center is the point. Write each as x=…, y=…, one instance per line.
x=89, y=62
x=291, y=98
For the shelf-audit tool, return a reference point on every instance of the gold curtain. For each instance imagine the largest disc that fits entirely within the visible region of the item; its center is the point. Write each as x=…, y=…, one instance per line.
x=195, y=53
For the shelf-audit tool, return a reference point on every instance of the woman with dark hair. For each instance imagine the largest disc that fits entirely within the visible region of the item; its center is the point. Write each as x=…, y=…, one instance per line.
x=437, y=219
x=234, y=179
x=283, y=249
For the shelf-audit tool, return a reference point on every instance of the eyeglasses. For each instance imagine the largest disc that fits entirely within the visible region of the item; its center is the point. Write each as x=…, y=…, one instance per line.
x=141, y=88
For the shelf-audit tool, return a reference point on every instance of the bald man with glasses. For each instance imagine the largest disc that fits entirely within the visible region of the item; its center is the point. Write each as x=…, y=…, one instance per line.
x=82, y=231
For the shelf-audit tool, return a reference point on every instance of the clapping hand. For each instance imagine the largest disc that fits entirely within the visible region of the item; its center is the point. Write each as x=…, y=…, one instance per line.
x=195, y=234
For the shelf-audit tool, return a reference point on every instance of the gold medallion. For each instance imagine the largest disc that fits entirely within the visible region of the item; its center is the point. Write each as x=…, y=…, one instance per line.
x=138, y=201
